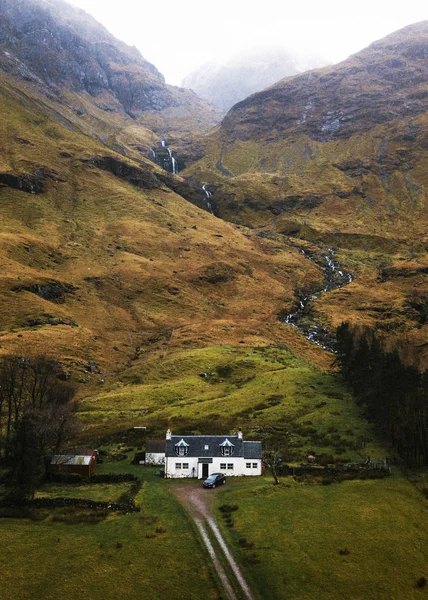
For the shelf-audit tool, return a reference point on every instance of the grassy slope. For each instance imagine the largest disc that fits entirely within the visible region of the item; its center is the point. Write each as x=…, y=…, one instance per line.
x=298, y=532
x=51, y=559
x=266, y=391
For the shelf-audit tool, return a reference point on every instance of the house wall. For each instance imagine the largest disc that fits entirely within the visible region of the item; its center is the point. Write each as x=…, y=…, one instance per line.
x=155, y=458
x=240, y=467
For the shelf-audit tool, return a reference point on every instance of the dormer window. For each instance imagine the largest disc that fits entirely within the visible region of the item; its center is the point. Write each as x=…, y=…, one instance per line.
x=226, y=448
x=181, y=448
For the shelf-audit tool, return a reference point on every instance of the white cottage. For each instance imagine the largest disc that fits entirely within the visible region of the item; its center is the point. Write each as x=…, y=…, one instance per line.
x=201, y=455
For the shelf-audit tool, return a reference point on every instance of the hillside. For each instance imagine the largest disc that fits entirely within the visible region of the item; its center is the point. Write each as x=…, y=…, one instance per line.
x=337, y=156
x=226, y=84
x=103, y=263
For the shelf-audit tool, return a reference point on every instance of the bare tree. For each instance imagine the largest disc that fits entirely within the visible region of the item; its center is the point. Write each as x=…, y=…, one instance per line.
x=272, y=459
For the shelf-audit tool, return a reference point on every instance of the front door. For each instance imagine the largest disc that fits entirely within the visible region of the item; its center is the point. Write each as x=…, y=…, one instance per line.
x=205, y=468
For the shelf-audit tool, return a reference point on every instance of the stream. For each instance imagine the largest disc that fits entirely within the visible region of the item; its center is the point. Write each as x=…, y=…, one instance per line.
x=335, y=278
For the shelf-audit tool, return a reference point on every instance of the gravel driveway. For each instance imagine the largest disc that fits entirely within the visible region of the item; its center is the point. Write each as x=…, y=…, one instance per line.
x=199, y=504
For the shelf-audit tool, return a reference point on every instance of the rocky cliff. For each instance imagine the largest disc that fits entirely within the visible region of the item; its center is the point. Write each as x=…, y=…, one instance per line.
x=56, y=45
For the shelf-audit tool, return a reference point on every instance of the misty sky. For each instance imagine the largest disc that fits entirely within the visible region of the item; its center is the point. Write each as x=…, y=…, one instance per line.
x=178, y=36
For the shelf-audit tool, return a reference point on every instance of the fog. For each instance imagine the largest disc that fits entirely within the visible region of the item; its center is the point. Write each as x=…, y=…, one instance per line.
x=177, y=37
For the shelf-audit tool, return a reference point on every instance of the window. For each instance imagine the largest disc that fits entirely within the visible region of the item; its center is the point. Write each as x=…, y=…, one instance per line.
x=178, y=465
x=185, y=465
x=226, y=448
x=248, y=465
x=222, y=465
x=230, y=465
x=206, y=447
x=181, y=449
x=255, y=465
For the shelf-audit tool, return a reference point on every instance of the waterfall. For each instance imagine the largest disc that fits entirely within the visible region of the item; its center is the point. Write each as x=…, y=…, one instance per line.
x=163, y=156
x=173, y=162
x=207, y=198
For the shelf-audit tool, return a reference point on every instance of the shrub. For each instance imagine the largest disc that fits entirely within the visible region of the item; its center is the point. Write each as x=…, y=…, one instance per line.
x=421, y=582
x=224, y=371
x=228, y=508
x=344, y=552
x=160, y=529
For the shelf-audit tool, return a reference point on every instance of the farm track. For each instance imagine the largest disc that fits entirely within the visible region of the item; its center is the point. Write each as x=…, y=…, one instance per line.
x=198, y=503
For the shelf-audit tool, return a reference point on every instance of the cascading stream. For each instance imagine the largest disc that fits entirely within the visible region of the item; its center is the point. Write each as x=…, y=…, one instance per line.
x=164, y=157
x=335, y=278
x=208, y=195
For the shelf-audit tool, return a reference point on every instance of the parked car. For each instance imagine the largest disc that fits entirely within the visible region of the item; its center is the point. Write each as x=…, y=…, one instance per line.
x=214, y=480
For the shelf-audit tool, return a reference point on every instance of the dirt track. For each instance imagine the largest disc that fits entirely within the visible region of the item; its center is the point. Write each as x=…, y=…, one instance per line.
x=198, y=502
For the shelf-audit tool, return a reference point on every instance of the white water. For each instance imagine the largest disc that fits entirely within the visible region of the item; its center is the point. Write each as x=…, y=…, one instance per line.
x=207, y=199
x=335, y=279
x=163, y=144
x=173, y=162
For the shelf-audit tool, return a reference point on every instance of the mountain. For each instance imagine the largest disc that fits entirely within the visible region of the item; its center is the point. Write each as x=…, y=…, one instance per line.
x=59, y=47
x=338, y=156
x=106, y=259
x=223, y=85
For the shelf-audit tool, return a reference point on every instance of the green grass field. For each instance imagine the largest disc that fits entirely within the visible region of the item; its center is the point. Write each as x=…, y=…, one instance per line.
x=51, y=560
x=298, y=532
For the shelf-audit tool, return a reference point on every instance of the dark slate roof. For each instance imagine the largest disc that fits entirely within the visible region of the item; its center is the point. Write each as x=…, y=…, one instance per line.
x=155, y=446
x=252, y=449
x=197, y=445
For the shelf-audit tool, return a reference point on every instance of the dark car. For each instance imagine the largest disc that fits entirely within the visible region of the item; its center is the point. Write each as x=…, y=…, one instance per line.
x=214, y=479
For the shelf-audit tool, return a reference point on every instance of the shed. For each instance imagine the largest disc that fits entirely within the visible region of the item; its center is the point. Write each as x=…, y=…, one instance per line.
x=81, y=461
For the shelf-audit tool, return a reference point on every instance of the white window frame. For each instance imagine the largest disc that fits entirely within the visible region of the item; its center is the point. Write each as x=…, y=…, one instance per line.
x=248, y=465
x=223, y=466
x=230, y=466
x=185, y=465
x=255, y=465
x=178, y=466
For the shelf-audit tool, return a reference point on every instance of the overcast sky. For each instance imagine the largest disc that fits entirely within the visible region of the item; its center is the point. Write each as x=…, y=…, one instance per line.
x=179, y=35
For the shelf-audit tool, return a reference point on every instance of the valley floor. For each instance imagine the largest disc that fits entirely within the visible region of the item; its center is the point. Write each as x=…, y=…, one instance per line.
x=297, y=540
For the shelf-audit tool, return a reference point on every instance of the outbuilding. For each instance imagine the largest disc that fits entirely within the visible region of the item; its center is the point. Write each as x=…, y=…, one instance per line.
x=81, y=461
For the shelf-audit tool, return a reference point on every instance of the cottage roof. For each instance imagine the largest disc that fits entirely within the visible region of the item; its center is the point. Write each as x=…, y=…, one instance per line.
x=155, y=446
x=252, y=449
x=213, y=446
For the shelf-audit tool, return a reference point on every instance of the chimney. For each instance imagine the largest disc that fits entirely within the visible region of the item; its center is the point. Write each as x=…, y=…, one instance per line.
x=240, y=435
x=168, y=434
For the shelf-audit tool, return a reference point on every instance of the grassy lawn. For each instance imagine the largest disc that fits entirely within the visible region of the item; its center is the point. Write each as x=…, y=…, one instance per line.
x=107, y=492
x=52, y=560
x=298, y=532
